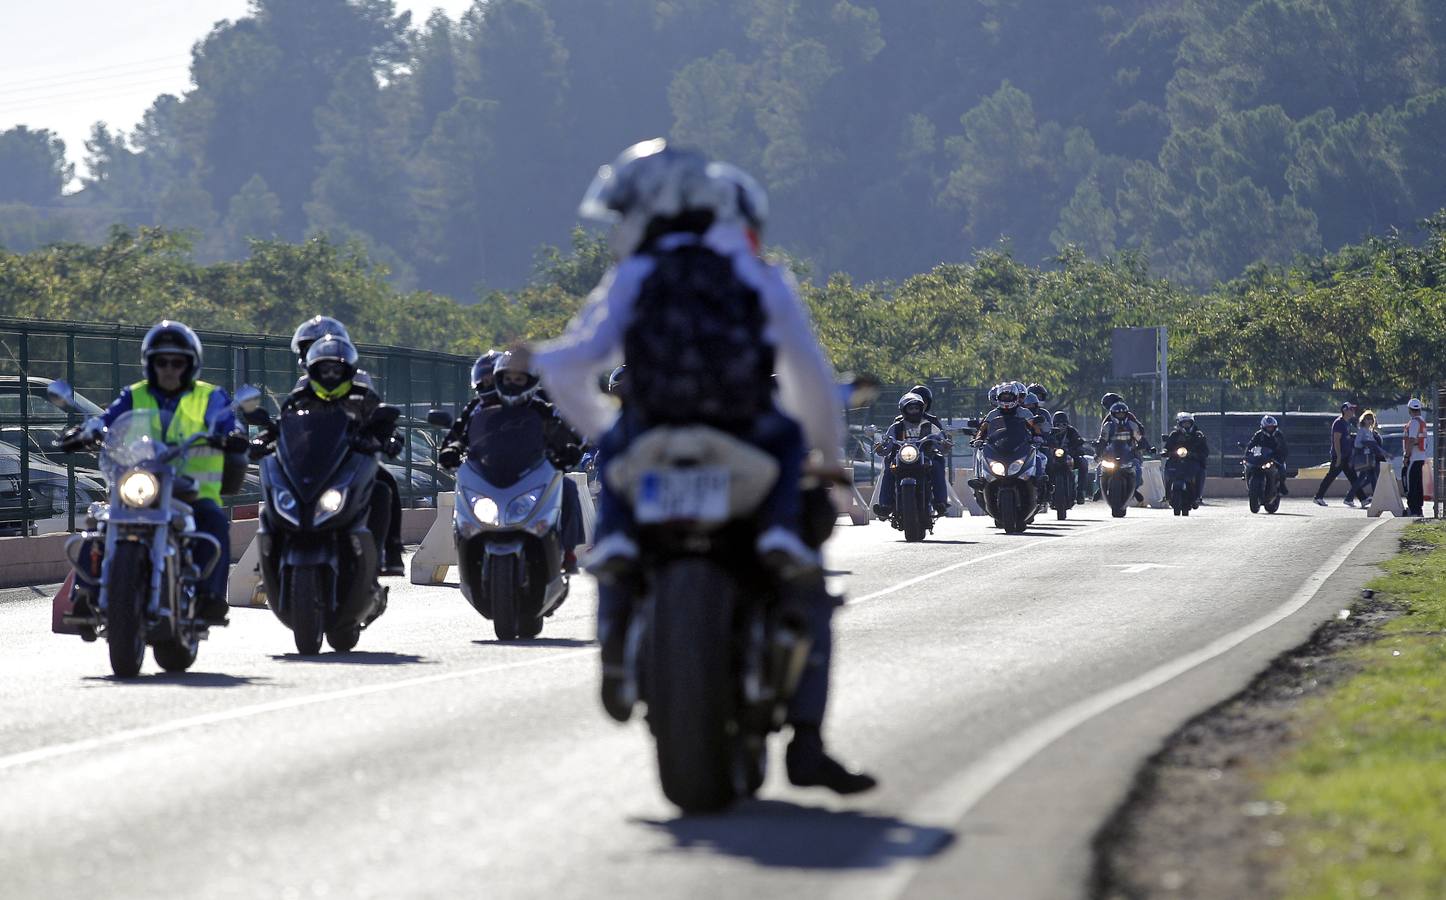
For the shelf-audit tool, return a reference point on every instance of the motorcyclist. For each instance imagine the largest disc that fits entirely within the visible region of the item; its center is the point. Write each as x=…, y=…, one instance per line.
x=171, y=356
x=1187, y=435
x=1119, y=422
x=331, y=377
x=912, y=422
x=484, y=394
x=308, y=333
x=515, y=390
x=1272, y=437
x=1008, y=413
x=1068, y=437
x=678, y=223
x=1033, y=400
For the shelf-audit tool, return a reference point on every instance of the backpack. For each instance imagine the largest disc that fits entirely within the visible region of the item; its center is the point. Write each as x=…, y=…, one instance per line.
x=694, y=348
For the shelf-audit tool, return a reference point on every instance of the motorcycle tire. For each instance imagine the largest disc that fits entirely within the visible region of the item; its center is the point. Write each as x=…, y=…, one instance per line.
x=126, y=601
x=1118, y=493
x=343, y=639
x=1272, y=504
x=1010, y=515
x=911, y=516
x=690, y=685
x=502, y=588
x=1063, y=495
x=308, y=598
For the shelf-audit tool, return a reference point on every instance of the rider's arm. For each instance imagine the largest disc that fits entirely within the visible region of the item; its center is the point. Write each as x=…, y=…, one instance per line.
x=807, y=383
x=571, y=364
x=220, y=417
x=121, y=405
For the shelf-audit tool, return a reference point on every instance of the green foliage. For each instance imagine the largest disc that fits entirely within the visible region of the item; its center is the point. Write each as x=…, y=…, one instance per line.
x=32, y=166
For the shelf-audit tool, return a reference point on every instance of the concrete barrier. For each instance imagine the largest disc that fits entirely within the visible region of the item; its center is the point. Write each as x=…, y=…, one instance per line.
x=1387, y=498
x=849, y=501
x=1153, y=488
x=437, y=551
x=961, y=492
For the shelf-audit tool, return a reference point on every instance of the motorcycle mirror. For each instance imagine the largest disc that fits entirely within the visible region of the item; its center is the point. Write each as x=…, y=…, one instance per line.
x=248, y=398
x=863, y=390
x=60, y=394
x=439, y=417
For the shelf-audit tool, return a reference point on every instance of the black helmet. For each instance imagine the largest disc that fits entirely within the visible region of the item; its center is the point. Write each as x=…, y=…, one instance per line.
x=1110, y=399
x=1119, y=409
x=615, y=380
x=313, y=330
x=514, y=395
x=1061, y=419
x=171, y=338
x=923, y=391
x=1030, y=400
x=1039, y=391
x=482, y=373
x=331, y=366
x=912, y=399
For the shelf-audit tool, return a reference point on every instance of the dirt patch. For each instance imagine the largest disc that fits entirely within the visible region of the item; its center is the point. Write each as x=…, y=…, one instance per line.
x=1193, y=825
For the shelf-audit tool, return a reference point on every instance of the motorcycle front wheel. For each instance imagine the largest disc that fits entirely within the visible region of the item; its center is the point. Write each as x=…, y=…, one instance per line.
x=911, y=514
x=502, y=588
x=690, y=689
x=125, y=607
x=309, y=600
x=1063, y=497
x=1118, y=492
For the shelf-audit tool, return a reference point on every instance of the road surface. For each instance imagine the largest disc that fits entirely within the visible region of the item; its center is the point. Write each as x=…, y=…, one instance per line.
x=1004, y=688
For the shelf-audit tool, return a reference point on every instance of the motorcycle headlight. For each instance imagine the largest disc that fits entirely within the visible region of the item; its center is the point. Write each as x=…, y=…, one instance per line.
x=909, y=454
x=138, y=488
x=1268, y=465
x=484, y=510
x=285, y=503
x=1059, y=453
x=1108, y=464
x=1181, y=452
x=1018, y=464
x=998, y=468
x=522, y=506
x=330, y=503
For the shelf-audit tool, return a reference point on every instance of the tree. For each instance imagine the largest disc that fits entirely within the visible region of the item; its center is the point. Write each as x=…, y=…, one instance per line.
x=32, y=166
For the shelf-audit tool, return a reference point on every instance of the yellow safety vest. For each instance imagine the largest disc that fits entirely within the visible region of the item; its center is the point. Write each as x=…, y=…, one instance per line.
x=203, y=464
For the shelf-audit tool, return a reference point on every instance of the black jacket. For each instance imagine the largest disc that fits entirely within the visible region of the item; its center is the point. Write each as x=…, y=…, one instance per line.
x=564, y=446
x=1192, y=440
x=1276, y=442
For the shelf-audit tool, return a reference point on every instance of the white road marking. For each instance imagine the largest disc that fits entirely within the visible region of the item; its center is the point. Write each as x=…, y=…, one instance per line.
x=919, y=579
x=1137, y=568
x=948, y=804
x=41, y=754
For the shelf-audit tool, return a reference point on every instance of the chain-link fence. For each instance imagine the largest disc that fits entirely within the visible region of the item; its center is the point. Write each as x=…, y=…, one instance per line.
x=43, y=489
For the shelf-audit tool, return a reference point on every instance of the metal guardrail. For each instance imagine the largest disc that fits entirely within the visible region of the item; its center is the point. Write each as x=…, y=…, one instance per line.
x=42, y=489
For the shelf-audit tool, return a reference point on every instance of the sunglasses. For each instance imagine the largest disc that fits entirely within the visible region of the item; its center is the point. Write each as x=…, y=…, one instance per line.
x=170, y=362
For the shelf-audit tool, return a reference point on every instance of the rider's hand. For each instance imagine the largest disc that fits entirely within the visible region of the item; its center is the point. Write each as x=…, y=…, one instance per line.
x=235, y=442
x=365, y=444
x=258, y=449
x=449, y=457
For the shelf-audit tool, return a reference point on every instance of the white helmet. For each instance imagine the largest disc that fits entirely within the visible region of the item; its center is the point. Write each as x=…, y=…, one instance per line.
x=750, y=200
x=1414, y=405
x=651, y=182
x=1268, y=422
x=510, y=394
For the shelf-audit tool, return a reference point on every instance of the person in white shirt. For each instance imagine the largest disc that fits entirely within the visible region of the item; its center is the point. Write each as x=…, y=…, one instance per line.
x=1413, y=458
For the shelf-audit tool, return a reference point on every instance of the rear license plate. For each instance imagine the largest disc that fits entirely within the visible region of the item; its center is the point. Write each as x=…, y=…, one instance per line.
x=683, y=495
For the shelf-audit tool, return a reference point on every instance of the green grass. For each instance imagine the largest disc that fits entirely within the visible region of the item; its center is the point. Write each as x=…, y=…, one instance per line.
x=1364, y=790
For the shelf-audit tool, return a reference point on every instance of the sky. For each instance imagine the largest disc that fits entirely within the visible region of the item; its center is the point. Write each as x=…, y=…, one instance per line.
x=67, y=64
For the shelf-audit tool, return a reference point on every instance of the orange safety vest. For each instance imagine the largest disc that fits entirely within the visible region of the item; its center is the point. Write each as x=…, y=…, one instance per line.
x=1419, y=440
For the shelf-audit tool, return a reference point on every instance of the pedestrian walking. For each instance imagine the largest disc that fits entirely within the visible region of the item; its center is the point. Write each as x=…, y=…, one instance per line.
x=1413, y=458
x=1342, y=443
x=1367, y=457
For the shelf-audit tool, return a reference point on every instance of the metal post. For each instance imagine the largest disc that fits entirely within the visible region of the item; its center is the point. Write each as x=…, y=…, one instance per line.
x=26, y=512
x=1164, y=379
x=69, y=416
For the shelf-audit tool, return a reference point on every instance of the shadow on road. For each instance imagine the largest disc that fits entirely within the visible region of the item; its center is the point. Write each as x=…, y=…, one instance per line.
x=184, y=679
x=930, y=542
x=537, y=642
x=787, y=835
x=834, y=573
x=356, y=658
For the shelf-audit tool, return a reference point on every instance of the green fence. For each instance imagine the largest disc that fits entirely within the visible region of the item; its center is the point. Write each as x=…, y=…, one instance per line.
x=42, y=489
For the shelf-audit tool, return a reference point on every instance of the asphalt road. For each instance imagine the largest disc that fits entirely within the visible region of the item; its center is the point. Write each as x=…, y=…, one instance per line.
x=1003, y=688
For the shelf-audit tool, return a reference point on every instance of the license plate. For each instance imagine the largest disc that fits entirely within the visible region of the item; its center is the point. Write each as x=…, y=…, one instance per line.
x=683, y=495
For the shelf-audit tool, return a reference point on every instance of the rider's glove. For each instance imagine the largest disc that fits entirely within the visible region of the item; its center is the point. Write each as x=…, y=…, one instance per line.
x=366, y=444
x=257, y=449
x=449, y=457
x=235, y=442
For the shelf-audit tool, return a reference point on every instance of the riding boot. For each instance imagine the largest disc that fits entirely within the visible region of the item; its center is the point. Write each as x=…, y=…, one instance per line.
x=809, y=765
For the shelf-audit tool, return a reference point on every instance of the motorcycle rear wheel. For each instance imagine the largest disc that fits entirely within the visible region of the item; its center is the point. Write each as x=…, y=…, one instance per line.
x=308, y=598
x=690, y=690
x=125, y=608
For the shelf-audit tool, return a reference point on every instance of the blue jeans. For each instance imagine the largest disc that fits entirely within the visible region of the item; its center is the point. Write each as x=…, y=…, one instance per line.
x=938, y=476
x=212, y=520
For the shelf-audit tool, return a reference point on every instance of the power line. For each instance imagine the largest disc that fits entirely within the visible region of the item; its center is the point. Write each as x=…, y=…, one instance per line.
x=42, y=88
x=97, y=69
x=116, y=91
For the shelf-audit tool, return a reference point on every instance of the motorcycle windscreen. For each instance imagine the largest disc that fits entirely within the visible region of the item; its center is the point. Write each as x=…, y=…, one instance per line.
x=1009, y=437
x=505, y=442
x=313, y=445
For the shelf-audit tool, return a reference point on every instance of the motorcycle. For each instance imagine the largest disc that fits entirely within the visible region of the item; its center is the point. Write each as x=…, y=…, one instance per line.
x=318, y=556
x=712, y=649
x=1117, y=475
x=1061, y=471
x=912, y=463
x=507, y=522
x=1005, y=468
x=1182, y=469
x=1262, y=473
x=137, y=554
